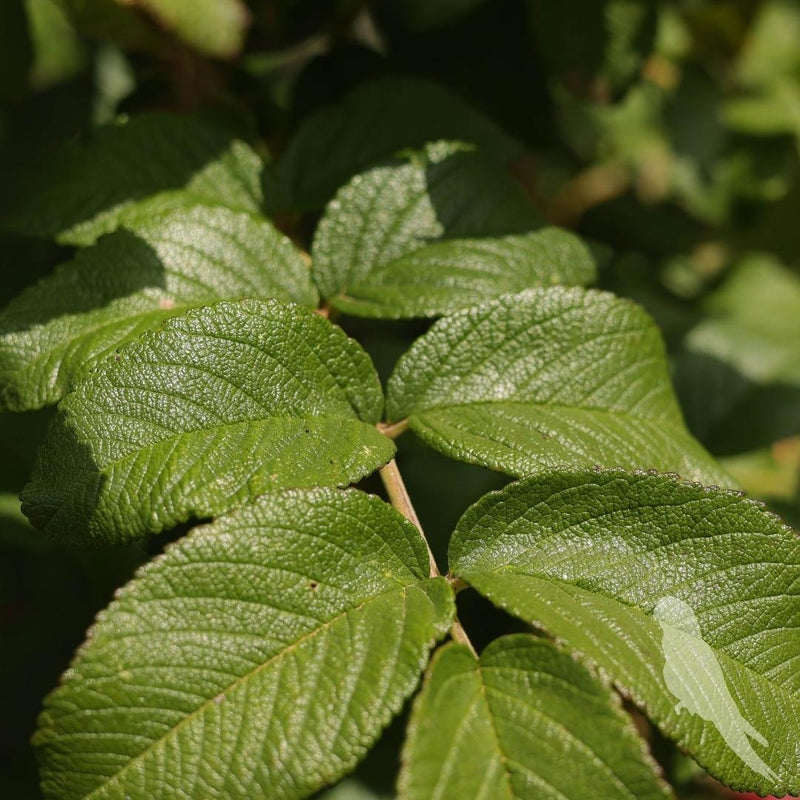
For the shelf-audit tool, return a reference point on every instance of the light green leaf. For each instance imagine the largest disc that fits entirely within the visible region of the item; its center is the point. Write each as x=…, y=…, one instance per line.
x=347, y=137
x=90, y=187
x=450, y=275
x=261, y=656
x=128, y=282
x=217, y=407
x=446, y=191
x=592, y=556
x=214, y=27
x=546, y=378
x=504, y=727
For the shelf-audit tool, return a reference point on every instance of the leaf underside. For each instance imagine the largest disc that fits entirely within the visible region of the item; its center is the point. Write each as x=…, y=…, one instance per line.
x=220, y=405
x=261, y=656
x=589, y=555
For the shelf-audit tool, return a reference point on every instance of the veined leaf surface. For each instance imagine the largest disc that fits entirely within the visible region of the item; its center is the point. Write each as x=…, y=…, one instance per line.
x=261, y=656
x=450, y=275
x=215, y=408
x=546, y=378
x=503, y=727
x=448, y=190
x=52, y=334
x=596, y=558
x=134, y=168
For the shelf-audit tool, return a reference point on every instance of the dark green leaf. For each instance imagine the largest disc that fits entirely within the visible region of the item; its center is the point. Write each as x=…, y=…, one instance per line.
x=504, y=726
x=217, y=407
x=89, y=187
x=259, y=657
x=128, y=282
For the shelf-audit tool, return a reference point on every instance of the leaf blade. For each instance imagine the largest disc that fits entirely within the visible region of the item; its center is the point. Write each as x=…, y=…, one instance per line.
x=52, y=334
x=142, y=165
x=220, y=405
x=545, y=378
x=445, y=191
x=316, y=654
x=590, y=555
x=501, y=726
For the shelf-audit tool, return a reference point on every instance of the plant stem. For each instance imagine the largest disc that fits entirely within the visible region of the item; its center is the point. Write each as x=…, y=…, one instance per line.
x=398, y=495
x=393, y=429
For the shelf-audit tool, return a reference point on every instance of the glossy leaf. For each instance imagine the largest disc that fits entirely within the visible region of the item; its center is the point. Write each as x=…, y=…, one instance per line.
x=503, y=726
x=596, y=558
x=446, y=191
x=128, y=282
x=454, y=274
x=92, y=186
x=347, y=137
x=546, y=378
x=258, y=657
x=215, y=408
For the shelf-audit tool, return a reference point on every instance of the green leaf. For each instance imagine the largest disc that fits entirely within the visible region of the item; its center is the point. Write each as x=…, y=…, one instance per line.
x=128, y=282
x=738, y=376
x=450, y=275
x=218, y=406
x=214, y=27
x=446, y=191
x=261, y=656
x=504, y=727
x=346, y=137
x=592, y=557
x=92, y=186
x=545, y=378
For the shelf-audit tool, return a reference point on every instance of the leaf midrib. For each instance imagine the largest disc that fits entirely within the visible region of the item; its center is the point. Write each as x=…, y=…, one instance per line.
x=240, y=680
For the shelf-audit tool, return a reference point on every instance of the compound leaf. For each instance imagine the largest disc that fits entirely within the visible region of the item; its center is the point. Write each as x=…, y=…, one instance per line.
x=53, y=333
x=546, y=378
x=504, y=725
x=260, y=656
x=216, y=407
x=135, y=167
x=453, y=274
x=347, y=137
x=446, y=191
x=688, y=598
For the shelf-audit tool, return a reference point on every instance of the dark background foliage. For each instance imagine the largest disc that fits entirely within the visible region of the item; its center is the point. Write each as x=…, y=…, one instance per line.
x=665, y=132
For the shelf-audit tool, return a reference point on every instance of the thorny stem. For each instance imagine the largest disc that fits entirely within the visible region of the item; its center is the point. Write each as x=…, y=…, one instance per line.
x=398, y=495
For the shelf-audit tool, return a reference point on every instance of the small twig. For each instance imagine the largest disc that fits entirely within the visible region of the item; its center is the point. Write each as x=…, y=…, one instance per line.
x=460, y=635
x=323, y=311
x=393, y=429
x=398, y=494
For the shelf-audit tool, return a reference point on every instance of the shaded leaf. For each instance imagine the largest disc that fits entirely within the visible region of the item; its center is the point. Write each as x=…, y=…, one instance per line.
x=217, y=407
x=259, y=657
x=446, y=191
x=592, y=557
x=52, y=334
x=503, y=726
x=545, y=378
x=344, y=138
x=92, y=186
